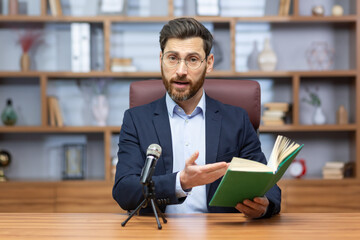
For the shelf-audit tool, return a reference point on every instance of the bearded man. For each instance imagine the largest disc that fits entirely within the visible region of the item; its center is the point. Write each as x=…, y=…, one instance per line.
x=188, y=171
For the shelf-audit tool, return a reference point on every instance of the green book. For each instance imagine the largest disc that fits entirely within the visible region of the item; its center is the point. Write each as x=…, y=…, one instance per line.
x=247, y=179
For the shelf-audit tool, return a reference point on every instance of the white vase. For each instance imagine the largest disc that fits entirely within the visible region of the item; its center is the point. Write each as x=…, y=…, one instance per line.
x=100, y=109
x=267, y=58
x=319, y=116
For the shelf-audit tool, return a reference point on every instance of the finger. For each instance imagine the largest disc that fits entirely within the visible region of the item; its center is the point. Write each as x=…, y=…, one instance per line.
x=214, y=167
x=248, y=211
x=191, y=160
x=262, y=200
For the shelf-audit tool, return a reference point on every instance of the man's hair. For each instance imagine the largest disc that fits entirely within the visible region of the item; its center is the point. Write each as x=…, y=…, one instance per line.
x=184, y=28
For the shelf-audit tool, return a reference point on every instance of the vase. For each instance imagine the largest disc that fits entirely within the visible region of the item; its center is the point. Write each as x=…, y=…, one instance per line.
x=252, y=61
x=319, y=116
x=13, y=7
x=8, y=115
x=267, y=58
x=100, y=109
x=25, y=62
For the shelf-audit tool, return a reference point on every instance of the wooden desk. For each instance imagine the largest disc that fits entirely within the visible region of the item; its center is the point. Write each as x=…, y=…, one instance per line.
x=193, y=226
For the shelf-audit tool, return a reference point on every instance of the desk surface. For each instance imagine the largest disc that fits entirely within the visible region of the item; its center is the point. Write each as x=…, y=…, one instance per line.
x=192, y=226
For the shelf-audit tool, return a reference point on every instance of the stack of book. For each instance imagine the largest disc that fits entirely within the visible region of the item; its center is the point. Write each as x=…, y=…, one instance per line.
x=274, y=113
x=122, y=65
x=337, y=170
x=54, y=112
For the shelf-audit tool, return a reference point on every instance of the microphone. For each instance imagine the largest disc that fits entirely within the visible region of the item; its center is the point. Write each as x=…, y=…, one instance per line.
x=152, y=155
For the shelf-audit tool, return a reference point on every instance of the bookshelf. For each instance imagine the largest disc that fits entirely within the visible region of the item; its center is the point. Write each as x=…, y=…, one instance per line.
x=49, y=193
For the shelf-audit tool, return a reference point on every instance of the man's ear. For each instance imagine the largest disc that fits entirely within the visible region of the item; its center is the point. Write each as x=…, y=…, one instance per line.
x=210, y=63
x=160, y=57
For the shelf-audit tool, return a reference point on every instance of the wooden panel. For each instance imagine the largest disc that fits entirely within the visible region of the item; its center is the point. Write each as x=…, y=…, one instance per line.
x=87, y=197
x=27, y=197
x=321, y=196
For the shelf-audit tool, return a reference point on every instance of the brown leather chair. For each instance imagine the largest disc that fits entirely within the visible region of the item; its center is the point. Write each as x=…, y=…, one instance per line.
x=241, y=93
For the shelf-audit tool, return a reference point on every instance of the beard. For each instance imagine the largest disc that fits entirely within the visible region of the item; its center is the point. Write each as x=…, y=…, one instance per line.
x=182, y=94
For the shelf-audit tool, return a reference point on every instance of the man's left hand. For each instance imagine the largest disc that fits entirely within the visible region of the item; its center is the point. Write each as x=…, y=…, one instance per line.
x=253, y=209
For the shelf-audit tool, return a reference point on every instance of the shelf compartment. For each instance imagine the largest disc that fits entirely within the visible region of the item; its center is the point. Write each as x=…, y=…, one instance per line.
x=40, y=156
x=25, y=95
x=333, y=92
x=339, y=37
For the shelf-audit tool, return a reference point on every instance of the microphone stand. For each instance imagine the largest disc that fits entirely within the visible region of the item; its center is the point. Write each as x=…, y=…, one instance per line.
x=149, y=196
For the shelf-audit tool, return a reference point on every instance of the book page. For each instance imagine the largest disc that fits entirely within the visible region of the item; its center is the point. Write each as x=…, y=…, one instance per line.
x=283, y=147
x=241, y=164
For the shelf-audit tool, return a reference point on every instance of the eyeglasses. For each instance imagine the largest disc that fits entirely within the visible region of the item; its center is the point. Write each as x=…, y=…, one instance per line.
x=171, y=60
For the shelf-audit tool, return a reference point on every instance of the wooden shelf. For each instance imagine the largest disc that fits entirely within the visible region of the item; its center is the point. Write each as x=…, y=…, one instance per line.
x=312, y=181
x=65, y=195
x=309, y=128
x=65, y=129
x=122, y=19
x=218, y=74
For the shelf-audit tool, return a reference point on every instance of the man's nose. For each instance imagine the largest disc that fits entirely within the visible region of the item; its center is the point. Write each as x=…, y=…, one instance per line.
x=181, y=68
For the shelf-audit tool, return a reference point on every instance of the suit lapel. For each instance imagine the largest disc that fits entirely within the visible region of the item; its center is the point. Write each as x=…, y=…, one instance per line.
x=163, y=130
x=213, y=126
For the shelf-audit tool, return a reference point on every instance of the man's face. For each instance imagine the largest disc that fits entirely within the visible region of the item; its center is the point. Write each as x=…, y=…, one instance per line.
x=182, y=82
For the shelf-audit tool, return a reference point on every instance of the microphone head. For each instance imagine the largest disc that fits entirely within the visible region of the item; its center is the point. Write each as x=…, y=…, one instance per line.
x=154, y=150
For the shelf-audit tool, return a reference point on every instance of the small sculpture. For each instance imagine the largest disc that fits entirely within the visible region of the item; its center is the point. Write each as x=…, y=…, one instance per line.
x=318, y=11
x=5, y=160
x=320, y=56
x=337, y=10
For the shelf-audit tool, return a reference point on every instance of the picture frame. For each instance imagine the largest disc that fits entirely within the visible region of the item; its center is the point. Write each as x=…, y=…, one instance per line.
x=74, y=161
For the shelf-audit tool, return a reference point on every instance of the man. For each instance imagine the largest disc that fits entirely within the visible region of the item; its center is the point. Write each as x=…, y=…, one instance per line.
x=198, y=135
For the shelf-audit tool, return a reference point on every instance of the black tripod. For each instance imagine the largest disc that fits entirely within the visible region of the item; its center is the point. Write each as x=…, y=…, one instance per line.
x=149, y=195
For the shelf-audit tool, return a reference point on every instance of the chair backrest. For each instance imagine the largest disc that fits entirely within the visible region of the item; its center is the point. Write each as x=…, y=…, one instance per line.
x=241, y=93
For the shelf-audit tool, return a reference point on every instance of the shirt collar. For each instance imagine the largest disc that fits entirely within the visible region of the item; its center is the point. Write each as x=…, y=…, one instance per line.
x=172, y=106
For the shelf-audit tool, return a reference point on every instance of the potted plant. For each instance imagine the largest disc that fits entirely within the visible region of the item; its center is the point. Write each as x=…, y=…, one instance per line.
x=314, y=100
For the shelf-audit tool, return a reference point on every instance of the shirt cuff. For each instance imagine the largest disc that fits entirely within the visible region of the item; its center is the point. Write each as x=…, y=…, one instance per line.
x=179, y=192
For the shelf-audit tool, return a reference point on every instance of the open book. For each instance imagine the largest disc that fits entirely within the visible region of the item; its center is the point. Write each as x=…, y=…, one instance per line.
x=246, y=179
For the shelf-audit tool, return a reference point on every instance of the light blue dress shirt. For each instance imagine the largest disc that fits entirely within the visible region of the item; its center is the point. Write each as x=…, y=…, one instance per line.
x=187, y=135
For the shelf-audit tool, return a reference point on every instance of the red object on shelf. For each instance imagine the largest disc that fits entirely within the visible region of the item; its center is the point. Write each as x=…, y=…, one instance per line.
x=298, y=168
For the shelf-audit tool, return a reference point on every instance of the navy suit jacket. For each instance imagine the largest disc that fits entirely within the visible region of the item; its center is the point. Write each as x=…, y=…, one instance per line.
x=229, y=133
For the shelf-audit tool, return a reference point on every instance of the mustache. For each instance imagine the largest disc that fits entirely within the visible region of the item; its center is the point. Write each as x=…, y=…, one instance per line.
x=179, y=79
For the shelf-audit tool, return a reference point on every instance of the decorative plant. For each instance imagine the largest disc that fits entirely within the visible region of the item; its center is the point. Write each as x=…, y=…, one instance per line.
x=28, y=38
x=313, y=98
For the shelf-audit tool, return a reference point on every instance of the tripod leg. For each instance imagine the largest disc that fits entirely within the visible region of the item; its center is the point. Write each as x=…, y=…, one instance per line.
x=160, y=213
x=134, y=212
x=155, y=212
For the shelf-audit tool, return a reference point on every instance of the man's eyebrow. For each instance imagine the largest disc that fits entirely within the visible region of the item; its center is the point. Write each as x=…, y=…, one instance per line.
x=191, y=53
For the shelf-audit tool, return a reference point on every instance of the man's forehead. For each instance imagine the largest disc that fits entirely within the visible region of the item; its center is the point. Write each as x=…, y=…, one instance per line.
x=186, y=45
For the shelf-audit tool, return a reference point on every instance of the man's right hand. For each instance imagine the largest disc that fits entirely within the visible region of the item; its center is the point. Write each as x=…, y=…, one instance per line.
x=194, y=175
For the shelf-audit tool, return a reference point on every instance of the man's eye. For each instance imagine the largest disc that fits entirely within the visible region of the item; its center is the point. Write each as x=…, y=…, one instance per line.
x=172, y=58
x=193, y=59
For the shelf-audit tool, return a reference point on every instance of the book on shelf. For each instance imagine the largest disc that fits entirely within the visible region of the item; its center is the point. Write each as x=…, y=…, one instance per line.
x=55, y=8
x=337, y=170
x=55, y=115
x=284, y=7
x=246, y=179
x=281, y=106
x=274, y=113
x=80, y=47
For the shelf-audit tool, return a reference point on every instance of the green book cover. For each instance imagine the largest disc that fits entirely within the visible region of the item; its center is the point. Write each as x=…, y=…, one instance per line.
x=247, y=183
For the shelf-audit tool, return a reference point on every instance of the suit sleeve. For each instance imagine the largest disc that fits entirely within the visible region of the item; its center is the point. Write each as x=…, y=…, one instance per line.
x=127, y=190
x=251, y=149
